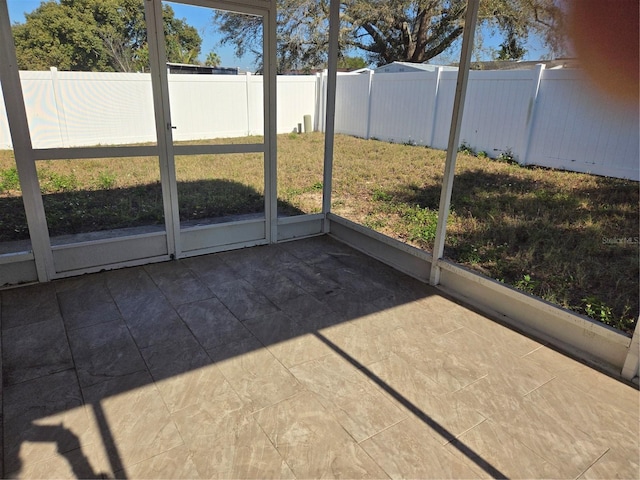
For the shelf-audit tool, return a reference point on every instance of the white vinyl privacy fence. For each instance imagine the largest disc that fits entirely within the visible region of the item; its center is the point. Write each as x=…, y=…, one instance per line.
x=542, y=117
x=76, y=109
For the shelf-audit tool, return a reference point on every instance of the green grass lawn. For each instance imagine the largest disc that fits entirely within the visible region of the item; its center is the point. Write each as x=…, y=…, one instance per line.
x=566, y=237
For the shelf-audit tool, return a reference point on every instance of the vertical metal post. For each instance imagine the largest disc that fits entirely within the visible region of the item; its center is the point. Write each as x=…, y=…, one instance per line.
x=631, y=363
x=531, y=114
x=334, y=29
x=369, y=101
x=434, y=117
x=59, y=99
x=317, y=119
x=270, y=65
x=247, y=83
x=23, y=150
x=454, y=136
x=160, y=85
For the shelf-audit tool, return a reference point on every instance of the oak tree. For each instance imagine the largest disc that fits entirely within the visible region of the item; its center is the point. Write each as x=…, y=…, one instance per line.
x=391, y=30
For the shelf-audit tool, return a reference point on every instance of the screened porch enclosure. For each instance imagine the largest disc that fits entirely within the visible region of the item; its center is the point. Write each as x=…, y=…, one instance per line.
x=300, y=344
x=187, y=201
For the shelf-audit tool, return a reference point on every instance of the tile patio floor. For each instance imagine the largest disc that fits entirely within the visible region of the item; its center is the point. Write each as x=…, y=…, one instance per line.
x=302, y=360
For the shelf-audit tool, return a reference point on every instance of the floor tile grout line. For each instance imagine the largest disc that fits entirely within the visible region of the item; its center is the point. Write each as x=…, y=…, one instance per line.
x=565, y=376
x=277, y=360
x=532, y=351
x=449, y=332
x=27, y=380
x=267, y=350
x=155, y=455
x=384, y=429
x=175, y=310
x=147, y=367
x=469, y=384
x=73, y=356
x=315, y=395
x=186, y=324
x=539, y=386
x=306, y=362
x=330, y=412
x=185, y=267
x=269, y=438
x=290, y=397
x=222, y=301
x=417, y=412
x=289, y=367
x=100, y=282
x=543, y=457
x=592, y=464
x=364, y=450
x=94, y=408
x=556, y=419
x=139, y=349
x=128, y=327
x=513, y=438
x=247, y=329
x=457, y=437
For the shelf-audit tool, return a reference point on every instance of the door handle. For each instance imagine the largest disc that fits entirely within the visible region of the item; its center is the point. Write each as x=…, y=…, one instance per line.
x=171, y=127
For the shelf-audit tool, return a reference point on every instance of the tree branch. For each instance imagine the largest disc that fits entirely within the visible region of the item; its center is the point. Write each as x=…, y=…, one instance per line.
x=443, y=45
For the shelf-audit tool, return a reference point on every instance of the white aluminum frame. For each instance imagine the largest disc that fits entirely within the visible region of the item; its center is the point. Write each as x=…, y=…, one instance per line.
x=582, y=337
x=330, y=112
x=23, y=150
x=190, y=241
x=56, y=261
x=470, y=21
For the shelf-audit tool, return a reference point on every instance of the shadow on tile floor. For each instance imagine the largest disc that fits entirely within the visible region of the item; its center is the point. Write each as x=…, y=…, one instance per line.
x=296, y=361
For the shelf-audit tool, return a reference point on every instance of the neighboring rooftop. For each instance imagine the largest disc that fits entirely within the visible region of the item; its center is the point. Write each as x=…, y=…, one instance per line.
x=525, y=65
x=189, y=68
x=397, y=67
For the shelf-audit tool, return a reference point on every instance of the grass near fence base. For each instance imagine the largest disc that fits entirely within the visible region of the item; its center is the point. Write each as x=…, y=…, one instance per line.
x=569, y=238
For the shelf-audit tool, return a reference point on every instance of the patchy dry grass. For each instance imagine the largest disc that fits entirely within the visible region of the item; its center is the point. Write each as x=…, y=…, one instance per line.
x=566, y=237
x=569, y=238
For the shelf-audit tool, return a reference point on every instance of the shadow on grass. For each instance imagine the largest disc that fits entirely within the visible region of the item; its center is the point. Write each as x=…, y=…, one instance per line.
x=85, y=211
x=572, y=246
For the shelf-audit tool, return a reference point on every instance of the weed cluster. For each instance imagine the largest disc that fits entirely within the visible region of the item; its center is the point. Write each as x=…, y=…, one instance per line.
x=527, y=284
x=106, y=180
x=52, y=181
x=421, y=222
x=9, y=179
x=599, y=310
x=506, y=156
x=466, y=149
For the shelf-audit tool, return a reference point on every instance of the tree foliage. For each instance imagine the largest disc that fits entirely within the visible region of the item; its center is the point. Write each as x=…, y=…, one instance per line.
x=351, y=63
x=98, y=35
x=511, y=48
x=213, y=60
x=391, y=30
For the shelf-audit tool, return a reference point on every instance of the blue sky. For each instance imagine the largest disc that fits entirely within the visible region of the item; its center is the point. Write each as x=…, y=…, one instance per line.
x=200, y=18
